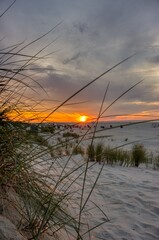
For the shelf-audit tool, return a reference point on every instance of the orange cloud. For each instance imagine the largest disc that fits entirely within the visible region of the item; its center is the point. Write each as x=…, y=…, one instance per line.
x=144, y=115
x=37, y=116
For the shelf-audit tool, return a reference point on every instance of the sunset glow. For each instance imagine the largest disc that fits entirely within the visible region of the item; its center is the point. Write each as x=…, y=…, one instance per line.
x=83, y=118
x=37, y=116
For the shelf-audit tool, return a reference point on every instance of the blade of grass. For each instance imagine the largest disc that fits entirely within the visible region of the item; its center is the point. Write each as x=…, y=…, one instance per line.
x=8, y=8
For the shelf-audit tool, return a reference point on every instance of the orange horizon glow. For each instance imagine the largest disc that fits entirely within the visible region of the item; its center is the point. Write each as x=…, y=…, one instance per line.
x=37, y=117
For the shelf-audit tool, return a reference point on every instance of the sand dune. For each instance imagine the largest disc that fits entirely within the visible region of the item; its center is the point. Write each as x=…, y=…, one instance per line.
x=125, y=201
x=130, y=198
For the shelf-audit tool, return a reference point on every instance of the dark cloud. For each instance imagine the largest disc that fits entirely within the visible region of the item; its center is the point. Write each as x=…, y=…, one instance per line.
x=60, y=85
x=40, y=69
x=154, y=59
x=63, y=86
x=74, y=57
x=82, y=27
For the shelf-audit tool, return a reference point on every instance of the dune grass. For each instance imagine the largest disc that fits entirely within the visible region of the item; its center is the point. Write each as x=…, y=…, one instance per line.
x=138, y=154
x=110, y=155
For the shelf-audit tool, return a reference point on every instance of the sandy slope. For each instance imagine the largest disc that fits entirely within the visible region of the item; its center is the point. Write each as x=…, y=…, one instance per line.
x=130, y=198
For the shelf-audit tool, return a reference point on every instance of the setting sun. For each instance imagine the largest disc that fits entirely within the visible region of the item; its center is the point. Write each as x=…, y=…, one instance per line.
x=83, y=118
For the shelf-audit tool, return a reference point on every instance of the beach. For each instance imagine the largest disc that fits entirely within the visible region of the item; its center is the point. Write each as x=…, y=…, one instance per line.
x=129, y=198
x=124, y=203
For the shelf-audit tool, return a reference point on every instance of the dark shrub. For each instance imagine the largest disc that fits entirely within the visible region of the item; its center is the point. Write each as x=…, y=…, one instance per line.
x=138, y=154
x=91, y=152
x=78, y=150
x=99, y=152
x=69, y=134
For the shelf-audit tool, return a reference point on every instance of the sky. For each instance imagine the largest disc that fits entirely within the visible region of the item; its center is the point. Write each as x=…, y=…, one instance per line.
x=89, y=37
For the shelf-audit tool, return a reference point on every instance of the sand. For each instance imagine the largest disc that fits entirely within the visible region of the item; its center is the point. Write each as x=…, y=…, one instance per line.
x=130, y=199
x=125, y=201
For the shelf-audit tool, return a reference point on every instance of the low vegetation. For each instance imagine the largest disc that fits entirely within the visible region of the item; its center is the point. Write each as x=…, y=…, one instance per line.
x=78, y=150
x=99, y=149
x=91, y=152
x=70, y=134
x=47, y=129
x=138, y=155
x=108, y=155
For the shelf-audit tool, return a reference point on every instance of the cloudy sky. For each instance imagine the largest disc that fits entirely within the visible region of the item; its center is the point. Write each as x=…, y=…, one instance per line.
x=91, y=37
